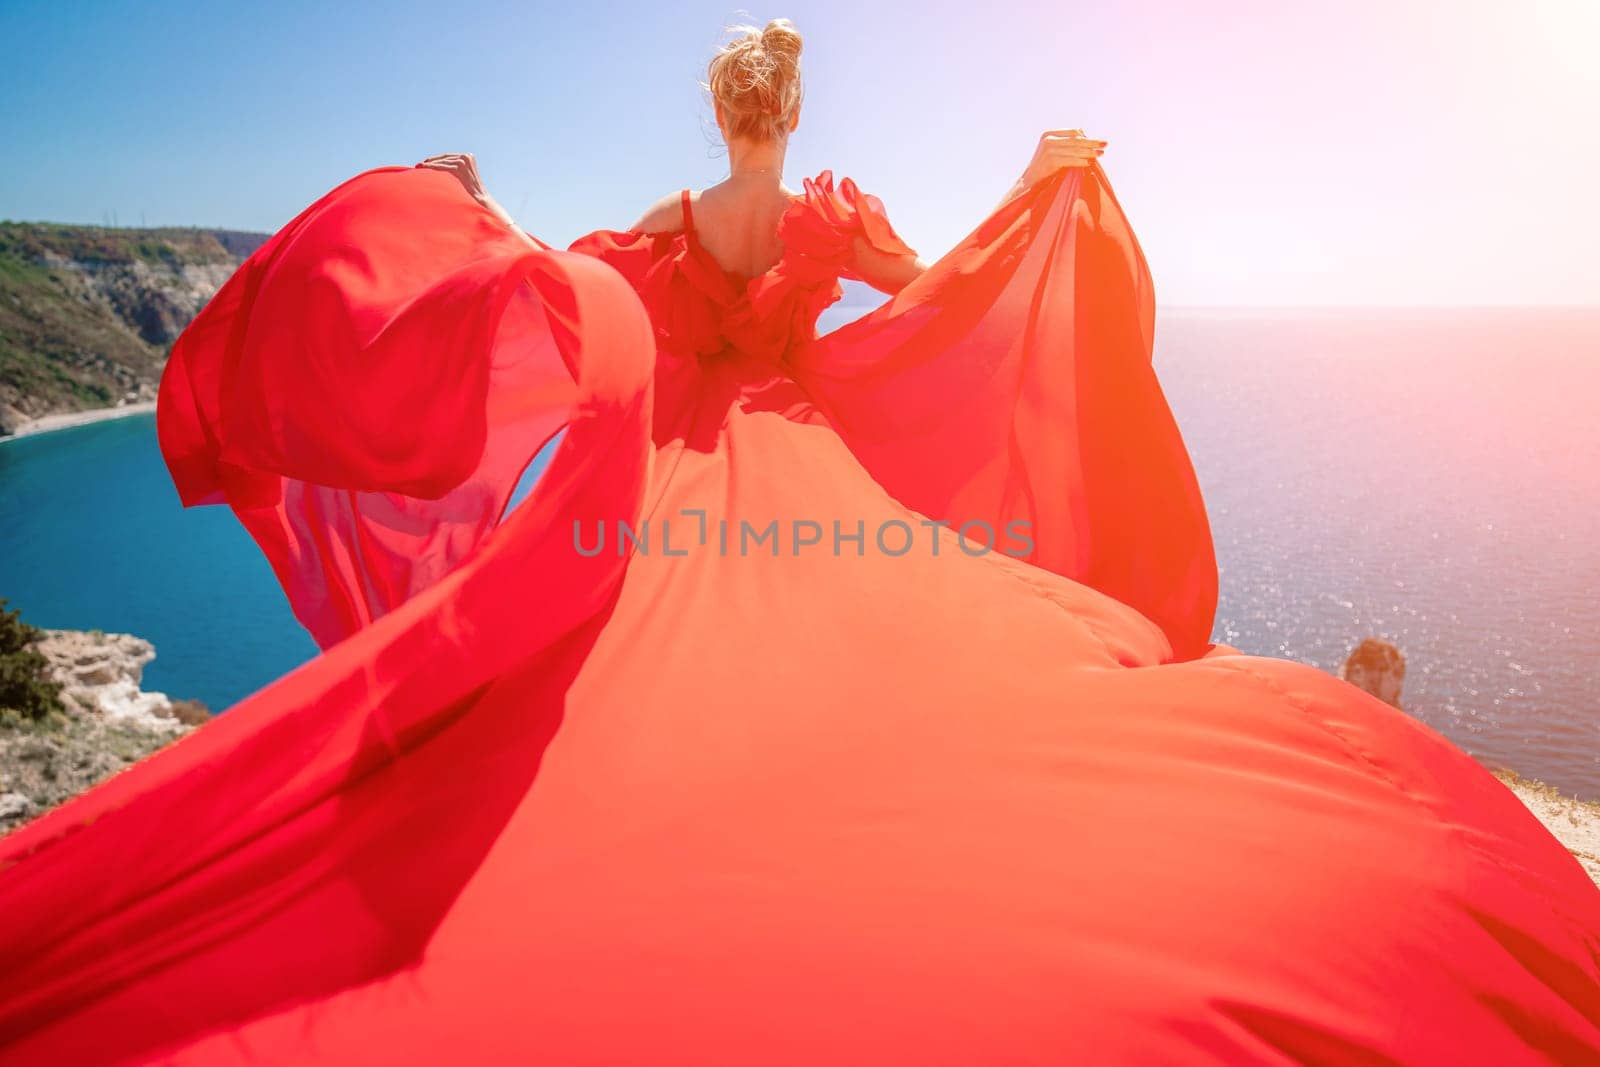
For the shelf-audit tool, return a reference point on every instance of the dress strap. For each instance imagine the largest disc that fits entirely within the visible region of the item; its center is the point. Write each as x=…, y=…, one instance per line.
x=688, y=214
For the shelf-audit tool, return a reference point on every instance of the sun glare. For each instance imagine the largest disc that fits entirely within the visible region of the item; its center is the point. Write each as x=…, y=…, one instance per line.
x=1568, y=32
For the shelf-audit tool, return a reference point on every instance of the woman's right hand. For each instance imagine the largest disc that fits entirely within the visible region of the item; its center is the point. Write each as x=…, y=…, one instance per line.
x=465, y=168
x=1060, y=150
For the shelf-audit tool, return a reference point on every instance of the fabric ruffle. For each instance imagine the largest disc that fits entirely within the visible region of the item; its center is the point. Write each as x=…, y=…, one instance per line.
x=823, y=225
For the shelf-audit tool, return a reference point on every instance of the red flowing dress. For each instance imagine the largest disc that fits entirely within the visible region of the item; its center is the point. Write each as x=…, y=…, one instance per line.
x=863, y=793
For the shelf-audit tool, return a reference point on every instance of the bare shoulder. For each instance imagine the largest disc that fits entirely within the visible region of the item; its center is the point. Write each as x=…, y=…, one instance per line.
x=663, y=216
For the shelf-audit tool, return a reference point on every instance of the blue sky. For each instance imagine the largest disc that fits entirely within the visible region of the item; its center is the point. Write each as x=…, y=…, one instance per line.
x=1268, y=151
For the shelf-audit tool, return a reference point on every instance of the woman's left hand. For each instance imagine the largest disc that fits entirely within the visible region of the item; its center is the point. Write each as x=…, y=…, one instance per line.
x=1060, y=150
x=465, y=169
x=1057, y=150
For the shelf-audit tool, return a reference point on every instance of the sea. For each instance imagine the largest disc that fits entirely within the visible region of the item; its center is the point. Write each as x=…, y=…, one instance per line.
x=1431, y=477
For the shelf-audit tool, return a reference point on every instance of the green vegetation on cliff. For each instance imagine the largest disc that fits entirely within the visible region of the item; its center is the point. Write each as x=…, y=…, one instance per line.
x=88, y=313
x=27, y=690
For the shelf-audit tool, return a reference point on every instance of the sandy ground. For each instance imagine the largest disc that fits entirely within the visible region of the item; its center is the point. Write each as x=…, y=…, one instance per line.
x=1575, y=823
x=46, y=423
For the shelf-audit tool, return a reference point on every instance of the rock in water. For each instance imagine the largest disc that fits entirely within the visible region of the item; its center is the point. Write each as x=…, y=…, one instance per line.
x=1377, y=667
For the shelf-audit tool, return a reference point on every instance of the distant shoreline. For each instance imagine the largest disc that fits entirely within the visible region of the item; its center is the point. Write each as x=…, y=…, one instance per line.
x=66, y=420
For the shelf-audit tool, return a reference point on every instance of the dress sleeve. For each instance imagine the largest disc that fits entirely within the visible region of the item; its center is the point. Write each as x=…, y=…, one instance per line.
x=824, y=223
x=369, y=387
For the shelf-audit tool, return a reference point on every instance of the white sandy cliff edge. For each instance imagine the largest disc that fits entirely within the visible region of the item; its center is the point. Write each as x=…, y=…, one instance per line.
x=1575, y=823
x=67, y=419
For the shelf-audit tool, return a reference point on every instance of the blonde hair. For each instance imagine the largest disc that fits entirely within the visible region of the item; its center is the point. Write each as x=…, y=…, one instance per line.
x=756, y=79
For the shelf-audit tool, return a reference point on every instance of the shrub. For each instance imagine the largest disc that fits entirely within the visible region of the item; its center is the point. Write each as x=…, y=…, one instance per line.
x=26, y=688
x=191, y=712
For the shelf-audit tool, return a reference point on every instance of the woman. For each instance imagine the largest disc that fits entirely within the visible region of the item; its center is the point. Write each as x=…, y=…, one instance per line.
x=882, y=727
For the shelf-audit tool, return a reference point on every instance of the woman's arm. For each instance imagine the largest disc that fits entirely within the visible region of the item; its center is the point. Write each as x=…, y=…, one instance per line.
x=663, y=216
x=884, y=271
x=1057, y=150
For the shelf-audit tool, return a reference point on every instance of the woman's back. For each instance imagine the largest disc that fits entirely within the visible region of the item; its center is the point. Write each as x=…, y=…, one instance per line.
x=736, y=222
x=747, y=266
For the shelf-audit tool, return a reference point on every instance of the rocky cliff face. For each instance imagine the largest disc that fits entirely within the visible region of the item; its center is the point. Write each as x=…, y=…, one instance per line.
x=88, y=314
x=110, y=722
x=102, y=674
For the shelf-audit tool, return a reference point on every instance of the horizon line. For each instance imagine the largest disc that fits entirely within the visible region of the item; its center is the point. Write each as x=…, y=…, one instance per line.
x=1175, y=307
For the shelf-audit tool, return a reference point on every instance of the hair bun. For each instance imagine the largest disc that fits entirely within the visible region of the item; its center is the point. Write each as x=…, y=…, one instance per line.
x=755, y=78
x=782, y=39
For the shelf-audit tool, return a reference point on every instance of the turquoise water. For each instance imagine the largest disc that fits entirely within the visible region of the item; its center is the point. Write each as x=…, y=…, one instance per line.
x=1431, y=477
x=95, y=539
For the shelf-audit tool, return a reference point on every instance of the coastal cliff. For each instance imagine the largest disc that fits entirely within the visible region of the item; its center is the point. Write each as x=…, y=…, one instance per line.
x=88, y=314
x=107, y=722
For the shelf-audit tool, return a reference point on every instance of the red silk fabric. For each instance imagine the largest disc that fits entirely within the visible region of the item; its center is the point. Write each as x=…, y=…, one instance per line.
x=540, y=804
